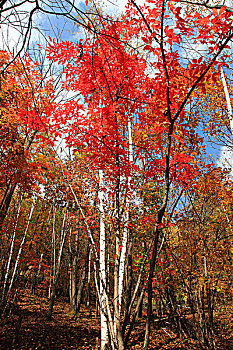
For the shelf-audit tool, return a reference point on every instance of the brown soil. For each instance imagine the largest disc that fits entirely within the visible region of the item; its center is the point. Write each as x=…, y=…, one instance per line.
x=26, y=328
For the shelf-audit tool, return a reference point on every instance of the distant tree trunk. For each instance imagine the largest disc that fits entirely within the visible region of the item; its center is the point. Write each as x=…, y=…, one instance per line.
x=53, y=252
x=129, y=283
x=36, y=275
x=4, y=245
x=73, y=275
x=20, y=250
x=10, y=253
x=151, y=273
x=57, y=274
x=140, y=307
x=5, y=203
x=83, y=278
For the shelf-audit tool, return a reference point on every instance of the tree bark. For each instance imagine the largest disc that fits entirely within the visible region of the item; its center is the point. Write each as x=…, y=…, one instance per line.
x=10, y=253
x=228, y=99
x=73, y=275
x=83, y=279
x=57, y=274
x=157, y=230
x=5, y=203
x=103, y=318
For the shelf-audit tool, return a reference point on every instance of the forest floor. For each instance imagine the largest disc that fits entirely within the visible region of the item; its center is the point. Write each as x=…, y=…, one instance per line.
x=26, y=327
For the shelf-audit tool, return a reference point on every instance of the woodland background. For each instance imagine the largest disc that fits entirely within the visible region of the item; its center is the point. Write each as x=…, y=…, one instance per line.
x=115, y=191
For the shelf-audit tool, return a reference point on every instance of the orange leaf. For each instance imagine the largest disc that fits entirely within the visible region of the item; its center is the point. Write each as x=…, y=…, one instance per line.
x=222, y=9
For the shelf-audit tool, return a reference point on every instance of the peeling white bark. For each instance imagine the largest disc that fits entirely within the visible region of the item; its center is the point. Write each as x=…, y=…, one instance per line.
x=96, y=259
x=126, y=219
x=20, y=250
x=228, y=99
x=103, y=318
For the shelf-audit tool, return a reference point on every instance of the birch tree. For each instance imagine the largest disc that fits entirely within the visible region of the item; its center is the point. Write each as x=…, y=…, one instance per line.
x=102, y=263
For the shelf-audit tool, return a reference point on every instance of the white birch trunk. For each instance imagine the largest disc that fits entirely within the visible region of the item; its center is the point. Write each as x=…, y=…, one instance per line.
x=125, y=230
x=39, y=267
x=103, y=318
x=57, y=273
x=89, y=276
x=20, y=251
x=228, y=99
x=95, y=256
x=11, y=252
x=89, y=267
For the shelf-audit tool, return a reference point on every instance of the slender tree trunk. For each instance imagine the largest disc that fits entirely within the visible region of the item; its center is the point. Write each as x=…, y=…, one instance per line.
x=5, y=203
x=122, y=260
x=95, y=260
x=161, y=213
x=103, y=318
x=37, y=274
x=5, y=239
x=53, y=253
x=135, y=293
x=108, y=266
x=117, y=323
x=109, y=316
x=83, y=278
x=123, y=249
x=19, y=252
x=11, y=252
x=149, y=291
x=73, y=274
x=80, y=290
x=73, y=285
x=89, y=281
x=57, y=274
